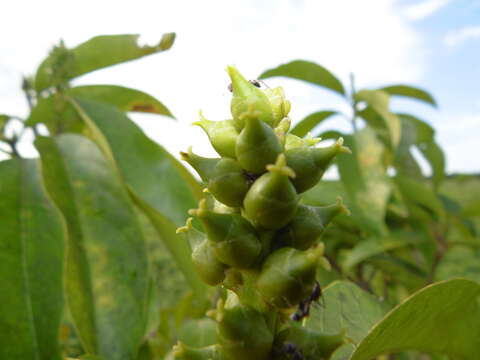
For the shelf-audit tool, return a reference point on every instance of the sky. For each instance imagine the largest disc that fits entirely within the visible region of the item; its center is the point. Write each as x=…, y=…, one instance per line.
x=432, y=44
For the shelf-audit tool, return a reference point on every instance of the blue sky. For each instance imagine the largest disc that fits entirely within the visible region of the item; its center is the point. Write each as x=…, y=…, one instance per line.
x=434, y=44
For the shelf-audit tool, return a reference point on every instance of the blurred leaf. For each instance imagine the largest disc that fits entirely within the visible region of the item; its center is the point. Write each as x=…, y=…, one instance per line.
x=31, y=265
x=472, y=209
x=310, y=122
x=307, y=71
x=459, y=261
x=106, y=266
x=159, y=184
x=123, y=98
x=378, y=115
x=411, y=92
x=346, y=306
x=419, y=195
x=3, y=121
x=443, y=318
x=198, y=332
x=365, y=180
x=99, y=52
x=421, y=135
x=369, y=248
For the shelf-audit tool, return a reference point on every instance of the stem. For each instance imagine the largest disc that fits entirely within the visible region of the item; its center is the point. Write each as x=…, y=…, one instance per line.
x=27, y=88
x=13, y=147
x=353, y=103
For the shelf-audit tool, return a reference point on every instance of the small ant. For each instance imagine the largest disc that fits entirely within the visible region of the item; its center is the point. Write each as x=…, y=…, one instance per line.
x=257, y=83
x=304, y=305
x=293, y=350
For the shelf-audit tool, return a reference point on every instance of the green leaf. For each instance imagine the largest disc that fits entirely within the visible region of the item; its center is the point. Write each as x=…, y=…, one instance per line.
x=472, y=209
x=377, y=114
x=31, y=257
x=410, y=91
x=420, y=196
x=310, y=122
x=106, y=266
x=345, y=306
x=441, y=318
x=366, y=181
x=122, y=98
x=160, y=185
x=99, y=52
x=3, y=121
x=369, y=248
x=59, y=116
x=433, y=153
x=307, y=71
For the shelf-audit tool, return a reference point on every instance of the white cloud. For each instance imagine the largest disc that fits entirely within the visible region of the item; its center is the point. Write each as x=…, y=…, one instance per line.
x=424, y=9
x=459, y=36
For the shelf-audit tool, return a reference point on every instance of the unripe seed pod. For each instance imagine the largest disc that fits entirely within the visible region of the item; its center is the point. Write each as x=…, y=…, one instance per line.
x=204, y=259
x=222, y=134
x=185, y=352
x=225, y=177
x=311, y=163
x=242, y=331
x=311, y=344
x=257, y=145
x=233, y=238
x=280, y=106
x=308, y=224
x=245, y=96
x=288, y=276
x=294, y=141
x=271, y=201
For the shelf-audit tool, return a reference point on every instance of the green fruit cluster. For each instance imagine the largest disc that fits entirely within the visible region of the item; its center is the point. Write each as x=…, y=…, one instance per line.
x=258, y=240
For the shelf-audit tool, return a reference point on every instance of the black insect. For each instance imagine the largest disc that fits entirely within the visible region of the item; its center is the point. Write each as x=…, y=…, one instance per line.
x=293, y=350
x=254, y=82
x=303, y=309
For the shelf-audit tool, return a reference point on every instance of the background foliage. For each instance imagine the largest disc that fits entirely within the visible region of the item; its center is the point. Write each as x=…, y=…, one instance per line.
x=92, y=266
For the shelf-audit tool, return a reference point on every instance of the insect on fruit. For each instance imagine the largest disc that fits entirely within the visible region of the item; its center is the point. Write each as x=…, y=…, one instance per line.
x=254, y=82
x=303, y=309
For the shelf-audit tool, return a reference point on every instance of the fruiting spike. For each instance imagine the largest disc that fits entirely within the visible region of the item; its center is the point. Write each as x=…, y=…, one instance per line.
x=281, y=167
x=245, y=95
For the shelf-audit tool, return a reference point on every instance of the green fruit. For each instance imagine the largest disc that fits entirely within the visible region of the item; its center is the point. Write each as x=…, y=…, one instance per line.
x=204, y=259
x=308, y=225
x=233, y=238
x=294, y=141
x=225, y=178
x=245, y=96
x=257, y=145
x=311, y=344
x=271, y=201
x=311, y=163
x=280, y=106
x=222, y=134
x=242, y=331
x=288, y=276
x=228, y=183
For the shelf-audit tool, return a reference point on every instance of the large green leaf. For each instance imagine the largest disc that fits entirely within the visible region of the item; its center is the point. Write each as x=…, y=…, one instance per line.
x=99, y=52
x=307, y=71
x=161, y=186
x=31, y=257
x=106, y=265
x=311, y=121
x=441, y=318
x=123, y=98
x=344, y=306
x=411, y=92
x=365, y=180
x=378, y=115
x=59, y=116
